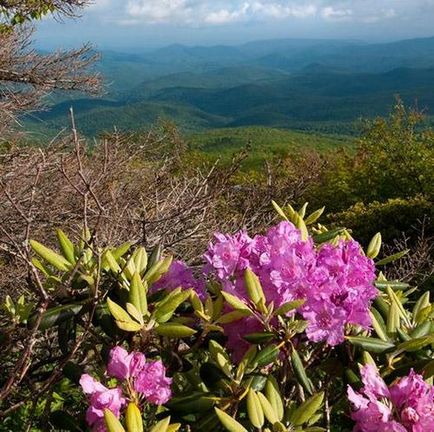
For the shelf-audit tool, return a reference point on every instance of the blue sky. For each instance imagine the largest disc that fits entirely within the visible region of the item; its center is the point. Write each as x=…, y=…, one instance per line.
x=132, y=24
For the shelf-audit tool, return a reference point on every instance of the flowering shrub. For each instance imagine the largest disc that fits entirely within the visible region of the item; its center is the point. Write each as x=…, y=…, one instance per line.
x=265, y=334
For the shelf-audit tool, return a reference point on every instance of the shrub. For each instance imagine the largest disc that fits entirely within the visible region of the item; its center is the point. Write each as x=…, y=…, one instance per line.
x=266, y=334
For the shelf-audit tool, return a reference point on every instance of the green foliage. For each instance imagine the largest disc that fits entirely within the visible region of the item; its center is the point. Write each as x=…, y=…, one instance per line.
x=393, y=217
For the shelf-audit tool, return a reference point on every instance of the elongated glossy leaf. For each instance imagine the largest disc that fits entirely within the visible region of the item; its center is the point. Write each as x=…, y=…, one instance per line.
x=228, y=422
x=327, y=236
x=371, y=344
x=111, y=422
x=221, y=357
x=174, y=330
x=232, y=316
x=393, y=257
x=66, y=246
x=235, y=302
x=121, y=250
x=273, y=395
x=289, y=306
x=268, y=409
x=130, y=326
x=50, y=256
x=161, y=426
x=165, y=309
x=253, y=287
x=133, y=418
x=118, y=312
x=57, y=315
x=300, y=372
x=307, y=410
x=267, y=355
x=313, y=217
x=137, y=294
x=254, y=409
x=259, y=338
x=140, y=258
x=378, y=324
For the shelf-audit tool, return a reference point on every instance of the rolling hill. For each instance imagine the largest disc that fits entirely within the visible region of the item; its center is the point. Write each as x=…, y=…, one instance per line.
x=307, y=84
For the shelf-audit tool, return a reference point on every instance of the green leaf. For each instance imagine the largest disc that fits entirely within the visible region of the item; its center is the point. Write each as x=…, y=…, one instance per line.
x=289, y=306
x=268, y=409
x=266, y=356
x=56, y=315
x=157, y=270
x=121, y=250
x=259, y=338
x=374, y=246
x=235, y=302
x=133, y=418
x=228, y=422
x=111, y=422
x=378, y=324
x=382, y=285
x=279, y=211
x=111, y=262
x=413, y=345
x=272, y=393
x=137, y=315
x=307, y=410
x=130, y=326
x=66, y=246
x=392, y=258
x=118, y=313
x=371, y=344
x=194, y=402
x=232, y=316
x=300, y=372
x=221, y=357
x=254, y=288
x=174, y=330
x=328, y=235
x=254, y=409
x=312, y=218
x=140, y=259
x=393, y=320
x=422, y=303
x=162, y=426
x=50, y=256
x=166, y=308
x=137, y=294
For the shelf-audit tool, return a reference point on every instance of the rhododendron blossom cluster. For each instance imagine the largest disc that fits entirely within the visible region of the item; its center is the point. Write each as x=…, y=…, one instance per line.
x=407, y=405
x=144, y=381
x=335, y=281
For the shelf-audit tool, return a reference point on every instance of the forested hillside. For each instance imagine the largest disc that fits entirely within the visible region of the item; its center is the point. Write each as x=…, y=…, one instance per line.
x=321, y=85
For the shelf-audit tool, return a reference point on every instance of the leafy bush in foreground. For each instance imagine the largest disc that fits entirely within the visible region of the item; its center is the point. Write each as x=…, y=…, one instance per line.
x=267, y=333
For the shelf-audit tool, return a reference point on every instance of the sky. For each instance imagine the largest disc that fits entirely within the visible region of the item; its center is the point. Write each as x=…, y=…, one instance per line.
x=147, y=24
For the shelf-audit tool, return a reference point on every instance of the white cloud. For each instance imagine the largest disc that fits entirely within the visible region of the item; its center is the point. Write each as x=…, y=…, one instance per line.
x=222, y=12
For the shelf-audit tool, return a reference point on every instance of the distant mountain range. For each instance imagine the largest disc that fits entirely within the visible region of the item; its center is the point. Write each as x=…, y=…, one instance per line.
x=293, y=83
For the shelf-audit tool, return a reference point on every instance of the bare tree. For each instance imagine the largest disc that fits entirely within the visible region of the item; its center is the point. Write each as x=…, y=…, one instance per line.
x=26, y=76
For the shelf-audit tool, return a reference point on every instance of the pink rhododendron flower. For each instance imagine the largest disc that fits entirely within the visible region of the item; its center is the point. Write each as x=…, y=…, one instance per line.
x=335, y=281
x=100, y=398
x=148, y=379
x=407, y=405
x=123, y=365
x=342, y=292
x=180, y=275
x=153, y=383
